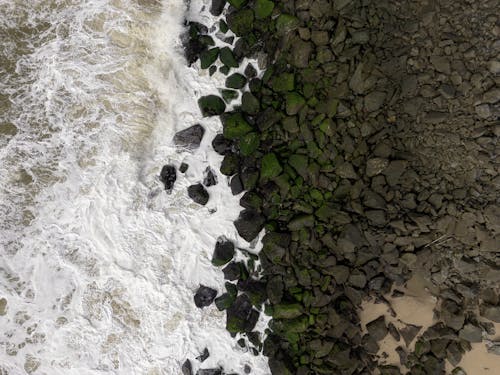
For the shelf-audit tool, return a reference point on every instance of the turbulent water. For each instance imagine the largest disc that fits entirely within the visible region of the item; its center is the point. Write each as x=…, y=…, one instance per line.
x=99, y=263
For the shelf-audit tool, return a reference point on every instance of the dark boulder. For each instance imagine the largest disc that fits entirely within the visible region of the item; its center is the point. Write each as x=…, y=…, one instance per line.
x=204, y=296
x=211, y=105
x=249, y=224
x=222, y=145
x=232, y=271
x=209, y=178
x=190, y=138
x=203, y=355
x=168, y=175
x=223, y=253
x=377, y=328
x=198, y=194
x=209, y=371
x=241, y=317
x=217, y=7
x=236, y=185
x=187, y=368
x=193, y=42
x=183, y=168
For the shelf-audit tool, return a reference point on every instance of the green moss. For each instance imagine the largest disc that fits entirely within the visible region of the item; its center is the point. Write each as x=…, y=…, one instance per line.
x=249, y=103
x=235, y=125
x=299, y=163
x=241, y=22
x=208, y=57
x=263, y=8
x=283, y=82
x=294, y=103
x=224, y=301
x=286, y=23
x=287, y=311
x=237, y=3
x=211, y=105
x=249, y=143
x=229, y=95
x=270, y=166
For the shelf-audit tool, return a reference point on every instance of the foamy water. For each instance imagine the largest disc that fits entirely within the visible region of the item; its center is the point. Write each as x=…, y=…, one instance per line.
x=99, y=265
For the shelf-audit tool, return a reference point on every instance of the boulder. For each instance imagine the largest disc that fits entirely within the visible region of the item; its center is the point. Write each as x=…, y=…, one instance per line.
x=208, y=57
x=249, y=224
x=204, y=296
x=209, y=371
x=198, y=193
x=263, y=8
x=223, y=252
x=235, y=125
x=189, y=138
x=211, y=105
x=377, y=328
x=471, y=333
x=226, y=56
x=217, y=7
x=241, y=317
x=221, y=145
x=168, y=175
x=270, y=166
x=236, y=81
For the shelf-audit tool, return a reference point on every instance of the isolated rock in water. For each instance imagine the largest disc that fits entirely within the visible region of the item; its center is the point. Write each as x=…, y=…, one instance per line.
x=211, y=105
x=209, y=371
x=217, y=7
x=187, y=368
x=204, y=296
x=241, y=317
x=249, y=224
x=190, y=137
x=203, y=355
x=168, y=175
x=209, y=178
x=198, y=194
x=223, y=253
x=183, y=168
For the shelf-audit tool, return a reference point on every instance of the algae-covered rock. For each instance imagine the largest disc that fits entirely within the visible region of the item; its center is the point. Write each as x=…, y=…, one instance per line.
x=270, y=166
x=198, y=193
x=229, y=95
x=237, y=3
x=204, y=296
x=208, y=57
x=241, y=317
x=299, y=163
x=235, y=125
x=224, y=301
x=263, y=8
x=236, y=81
x=286, y=23
x=284, y=82
x=217, y=7
x=241, y=22
x=294, y=103
x=300, y=222
x=190, y=138
x=249, y=143
x=229, y=165
x=223, y=252
x=211, y=105
x=287, y=311
x=250, y=104
x=226, y=56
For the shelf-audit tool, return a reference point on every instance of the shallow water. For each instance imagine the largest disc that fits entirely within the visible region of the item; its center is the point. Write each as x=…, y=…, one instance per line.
x=99, y=264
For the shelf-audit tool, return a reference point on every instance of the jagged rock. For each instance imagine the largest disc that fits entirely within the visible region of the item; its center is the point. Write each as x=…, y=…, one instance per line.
x=221, y=145
x=471, y=333
x=241, y=317
x=198, y=193
x=203, y=356
x=409, y=332
x=190, y=138
x=217, y=7
x=377, y=328
x=187, y=368
x=168, y=175
x=211, y=105
x=249, y=224
x=209, y=178
x=183, y=167
x=223, y=253
x=204, y=296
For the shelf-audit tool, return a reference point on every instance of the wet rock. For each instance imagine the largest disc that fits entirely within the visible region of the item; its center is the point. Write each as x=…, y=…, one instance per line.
x=223, y=252
x=211, y=105
x=374, y=100
x=217, y=7
x=209, y=371
x=377, y=328
x=183, y=167
x=204, y=296
x=263, y=9
x=226, y=56
x=240, y=22
x=249, y=224
x=187, y=368
x=235, y=125
x=232, y=271
x=441, y=64
x=190, y=138
x=287, y=311
x=249, y=103
x=198, y=193
x=250, y=71
x=221, y=145
x=203, y=356
x=270, y=166
x=236, y=185
x=301, y=53
x=294, y=103
x=375, y=166
x=224, y=301
x=209, y=177
x=241, y=317
x=168, y=175
x=208, y=57
x=236, y=81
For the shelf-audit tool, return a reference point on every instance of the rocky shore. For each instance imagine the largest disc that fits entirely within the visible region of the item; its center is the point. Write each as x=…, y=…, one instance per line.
x=367, y=151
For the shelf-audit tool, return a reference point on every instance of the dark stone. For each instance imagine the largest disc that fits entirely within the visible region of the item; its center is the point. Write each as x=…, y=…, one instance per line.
x=249, y=224
x=236, y=81
x=251, y=200
x=232, y=271
x=226, y=56
x=217, y=7
x=241, y=317
x=409, y=332
x=209, y=178
x=198, y=193
x=230, y=165
x=204, y=296
x=224, y=301
x=168, y=175
x=221, y=145
x=187, y=368
x=183, y=168
x=236, y=185
x=193, y=45
x=209, y=371
x=211, y=105
x=377, y=328
x=250, y=71
x=203, y=355
x=223, y=253
x=190, y=138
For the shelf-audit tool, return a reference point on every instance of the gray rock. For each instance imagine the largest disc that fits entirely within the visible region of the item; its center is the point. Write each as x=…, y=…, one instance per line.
x=409, y=333
x=168, y=175
x=204, y=296
x=441, y=64
x=471, y=333
x=377, y=328
x=375, y=166
x=491, y=313
x=301, y=53
x=374, y=100
x=198, y=193
x=249, y=224
x=190, y=138
x=187, y=368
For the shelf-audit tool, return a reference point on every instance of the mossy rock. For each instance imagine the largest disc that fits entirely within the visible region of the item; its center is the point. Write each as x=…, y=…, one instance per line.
x=208, y=57
x=223, y=26
x=286, y=23
x=250, y=104
x=294, y=103
x=263, y=8
x=270, y=166
x=211, y=105
x=299, y=163
x=235, y=125
x=229, y=95
x=301, y=221
x=249, y=143
x=230, y=165
x=238, y=4
x=236, y=81
x=241, y=22
x=226, y=56
x=225, y=301
x=287, y=311
x=284, y=82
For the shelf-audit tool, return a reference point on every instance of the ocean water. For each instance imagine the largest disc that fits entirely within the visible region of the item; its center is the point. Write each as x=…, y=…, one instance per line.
x=98, y=263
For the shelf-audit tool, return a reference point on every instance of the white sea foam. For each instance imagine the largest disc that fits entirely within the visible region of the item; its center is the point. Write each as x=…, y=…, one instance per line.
x=99, y=264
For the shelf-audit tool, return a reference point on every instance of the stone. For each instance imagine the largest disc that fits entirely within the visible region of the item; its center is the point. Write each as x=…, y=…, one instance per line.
x=217, y=7
x=198, y=193
x=483, y=111
x=190, y=138
x=237, y=3
x=270, y=166
x=250, y=71
x=209, y=177
x=346, y=170
x=299, y=163
x=374, y=100
x=409, y=332
x=300, y=222
x=229, y=95
x=236, y=185
x=301, y=53
x=375, y=166
x=223, y=252
x=240, y=22
x=491, y=313
x=236, y=81
x=249, y=103
x=203, y=356
x=286, y=23
x=209, y=371
x=235, y=125
x=229, y=165
x=168, y=176
x=187, y=368
x=249, y=224
x=319, y=37
x=183, y=167
x=263, y=9
x=224, y=301
x=211, y=105
x=204, y=296
x=287, y=311
x=283, y=82
x=232, y=271
x=226, y=56
x=3, y=306
x=441, y=64
x=221, y=145
x=208, y=57
x=241, y=317
x=294, y=103
x=377, y=328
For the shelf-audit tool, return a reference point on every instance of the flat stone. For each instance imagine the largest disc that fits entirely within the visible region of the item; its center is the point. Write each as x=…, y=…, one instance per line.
x=375, y=166
x=471, y=333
